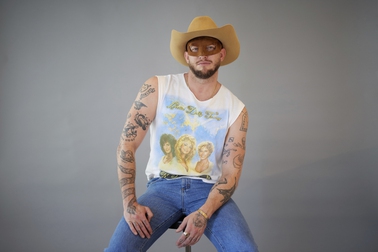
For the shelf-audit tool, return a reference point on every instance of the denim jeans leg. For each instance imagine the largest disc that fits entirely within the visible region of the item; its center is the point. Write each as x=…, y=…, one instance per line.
x=228, y=230
x=164, y=199
x=168, y=200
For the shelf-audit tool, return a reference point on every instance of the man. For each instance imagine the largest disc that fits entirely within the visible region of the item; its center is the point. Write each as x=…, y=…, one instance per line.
x=192, y=107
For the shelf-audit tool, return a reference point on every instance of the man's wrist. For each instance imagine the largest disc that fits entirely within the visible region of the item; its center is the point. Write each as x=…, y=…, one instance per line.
x=203, y=214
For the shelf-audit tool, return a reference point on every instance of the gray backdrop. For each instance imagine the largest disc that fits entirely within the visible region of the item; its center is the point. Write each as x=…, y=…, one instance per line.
x=308, y=73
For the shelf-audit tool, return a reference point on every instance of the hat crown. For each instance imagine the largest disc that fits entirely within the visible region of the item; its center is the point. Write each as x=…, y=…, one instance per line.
x=201, y=23
x=204, y=26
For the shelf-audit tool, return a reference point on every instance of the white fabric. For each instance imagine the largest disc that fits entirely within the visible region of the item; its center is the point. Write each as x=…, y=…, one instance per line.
x=179, y=114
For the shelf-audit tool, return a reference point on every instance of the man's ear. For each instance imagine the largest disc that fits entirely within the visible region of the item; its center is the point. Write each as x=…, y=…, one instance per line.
x=223, y=54
x=186, y=56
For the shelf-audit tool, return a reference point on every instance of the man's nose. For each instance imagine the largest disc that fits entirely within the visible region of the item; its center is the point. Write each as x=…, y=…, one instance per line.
x=202, y=52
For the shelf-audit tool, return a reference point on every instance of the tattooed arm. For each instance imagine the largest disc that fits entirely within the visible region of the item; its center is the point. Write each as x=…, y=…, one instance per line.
x=137, y=123
x=232, y=163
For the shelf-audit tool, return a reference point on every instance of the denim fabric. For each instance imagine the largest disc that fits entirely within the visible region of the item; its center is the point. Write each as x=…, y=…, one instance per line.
x=169, y=200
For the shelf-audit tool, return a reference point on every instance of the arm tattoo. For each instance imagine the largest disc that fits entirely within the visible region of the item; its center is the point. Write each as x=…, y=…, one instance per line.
x=219, y=182
x=145, y=91
x=244, y=125
x=241, y=145
x=128, y=171
x=238, y=161
x=142, y=121
x=127, y=192
x=130, y=179
x=227, y=193
x=131, y=209
x=227, y=152
x=138, y=105
x=129, y=132
x=126, y=181
x=127, y=156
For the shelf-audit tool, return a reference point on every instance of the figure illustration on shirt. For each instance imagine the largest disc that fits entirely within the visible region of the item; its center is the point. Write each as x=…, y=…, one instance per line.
x=204, y=165
x=185, y=150
x=167, y=144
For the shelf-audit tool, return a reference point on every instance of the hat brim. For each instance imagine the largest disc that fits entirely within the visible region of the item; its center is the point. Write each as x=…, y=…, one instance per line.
x=226, y=34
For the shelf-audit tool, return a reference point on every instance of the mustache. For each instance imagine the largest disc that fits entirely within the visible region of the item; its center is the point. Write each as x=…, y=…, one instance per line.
x=204, y=61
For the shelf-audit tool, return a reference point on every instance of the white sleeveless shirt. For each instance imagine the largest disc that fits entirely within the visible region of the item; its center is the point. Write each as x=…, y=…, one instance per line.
x=186, y=130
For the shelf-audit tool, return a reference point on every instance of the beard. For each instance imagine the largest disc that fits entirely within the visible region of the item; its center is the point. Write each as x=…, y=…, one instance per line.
x=204, y=75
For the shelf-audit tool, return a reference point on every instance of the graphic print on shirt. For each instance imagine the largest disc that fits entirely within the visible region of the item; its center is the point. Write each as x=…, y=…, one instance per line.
x=188, y=140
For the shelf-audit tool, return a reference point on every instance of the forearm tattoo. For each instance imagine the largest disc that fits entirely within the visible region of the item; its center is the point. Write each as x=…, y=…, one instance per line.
x=131, y=209
x=219, y=182
x=128, y=180
x=127, y=156
x=127, y=192
x=128, y=171
x=125, y=181
x=227, y=193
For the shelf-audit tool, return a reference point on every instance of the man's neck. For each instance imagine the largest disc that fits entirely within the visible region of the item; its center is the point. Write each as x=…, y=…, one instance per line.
x=203, y=89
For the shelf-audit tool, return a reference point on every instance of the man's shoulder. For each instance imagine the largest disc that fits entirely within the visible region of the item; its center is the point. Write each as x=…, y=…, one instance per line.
x=176, y=75
x=170, y=78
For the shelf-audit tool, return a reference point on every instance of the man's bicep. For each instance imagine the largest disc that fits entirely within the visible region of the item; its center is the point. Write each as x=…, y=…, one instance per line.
x=141, y=113
x=235, y=145
x=147, y=97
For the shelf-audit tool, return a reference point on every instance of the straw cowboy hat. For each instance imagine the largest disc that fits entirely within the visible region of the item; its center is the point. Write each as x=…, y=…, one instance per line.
x=205, y=26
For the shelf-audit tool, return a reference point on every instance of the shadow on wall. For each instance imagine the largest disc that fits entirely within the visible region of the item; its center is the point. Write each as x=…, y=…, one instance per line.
x=330, y=205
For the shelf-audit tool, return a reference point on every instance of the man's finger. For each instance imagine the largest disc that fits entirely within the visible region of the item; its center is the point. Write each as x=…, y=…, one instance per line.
x=145, y=230
x=131, y=225
x=148, y=229
x=139, y=230
x=149, y=214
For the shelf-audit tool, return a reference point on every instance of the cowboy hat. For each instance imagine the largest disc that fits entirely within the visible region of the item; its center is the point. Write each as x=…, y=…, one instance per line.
x=205, y=26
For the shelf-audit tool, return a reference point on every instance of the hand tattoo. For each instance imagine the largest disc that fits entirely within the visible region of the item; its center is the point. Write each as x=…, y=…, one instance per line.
x=199, y=221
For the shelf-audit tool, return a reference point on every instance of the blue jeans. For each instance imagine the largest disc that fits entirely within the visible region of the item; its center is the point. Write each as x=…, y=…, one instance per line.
x=168, y=200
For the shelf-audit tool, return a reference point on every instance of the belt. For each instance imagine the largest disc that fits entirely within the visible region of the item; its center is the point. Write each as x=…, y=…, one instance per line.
x=167, y=175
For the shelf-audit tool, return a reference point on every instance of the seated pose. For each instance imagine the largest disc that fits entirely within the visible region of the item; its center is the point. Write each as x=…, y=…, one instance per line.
x=191, y=108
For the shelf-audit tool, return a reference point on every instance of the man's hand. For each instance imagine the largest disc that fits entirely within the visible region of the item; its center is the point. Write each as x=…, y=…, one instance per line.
x=138, y=218
x=193, y=226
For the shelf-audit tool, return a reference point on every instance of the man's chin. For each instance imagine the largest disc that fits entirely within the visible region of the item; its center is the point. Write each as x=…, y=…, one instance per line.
x=203, y=74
